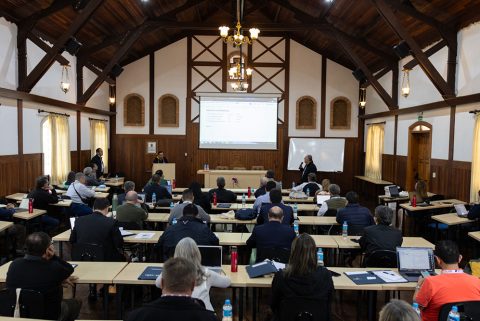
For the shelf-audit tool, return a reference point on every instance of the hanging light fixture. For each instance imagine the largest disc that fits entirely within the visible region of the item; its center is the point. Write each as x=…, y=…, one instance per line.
x=406, y=83
x=65, y=80
x=239, y=74
x=111, y=94
x=237, y=38
x=362, y=99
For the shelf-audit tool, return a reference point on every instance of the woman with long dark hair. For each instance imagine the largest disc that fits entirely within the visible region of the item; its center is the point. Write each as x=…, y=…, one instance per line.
x=201, y=199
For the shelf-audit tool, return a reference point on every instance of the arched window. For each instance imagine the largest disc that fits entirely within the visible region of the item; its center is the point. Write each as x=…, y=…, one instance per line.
x=168, y=111
x=134, y=110
x=340, y=113
x=306, y=113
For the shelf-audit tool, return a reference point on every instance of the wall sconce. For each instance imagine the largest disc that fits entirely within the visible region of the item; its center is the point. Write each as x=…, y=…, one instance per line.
x=406, y=83
x=65, y=80
x=362, y=99
x=111, y=94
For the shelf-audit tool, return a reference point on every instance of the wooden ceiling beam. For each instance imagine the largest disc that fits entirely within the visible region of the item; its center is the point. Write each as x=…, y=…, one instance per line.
x=41, y=68
x=432, y=73
x=98, y=71
x=30, y=21
x=46, y=48
x=429, y=52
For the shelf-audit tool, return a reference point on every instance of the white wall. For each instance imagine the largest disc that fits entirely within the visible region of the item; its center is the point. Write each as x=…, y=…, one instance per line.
x=8, y=55
x=375, y=104
x=9, y=136
x=99, y=99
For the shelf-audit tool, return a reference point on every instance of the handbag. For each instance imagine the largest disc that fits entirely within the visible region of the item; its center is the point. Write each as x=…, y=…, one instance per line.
x=245, y=214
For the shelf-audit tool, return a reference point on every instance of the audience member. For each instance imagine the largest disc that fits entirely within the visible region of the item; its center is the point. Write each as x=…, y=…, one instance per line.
x=311, y=186
x=262, y=188
x=43, y=197
x=308, y=168
x=223, y=195
x=325, y=184
x=127, y=187
x=98, y=159
x=17, y=232
x=398, y=310
x=189, y=225
x=334, y=203
x=265, y=198
x=303, y=285
x=178, y=282
x=357, y=217
x=452, y=285
x=270, y=176
x=80, y=195
x=90, y=177
x=187, y=198
x=276, y=200
x=474, y=211
x=163, y=181
x=43, y=271
x=273, y=235
x=420, y=191
x=154, y=186
x=131, y=212
x=382, y=236
x=70, y=178
x=188, y=249
x=200, y=198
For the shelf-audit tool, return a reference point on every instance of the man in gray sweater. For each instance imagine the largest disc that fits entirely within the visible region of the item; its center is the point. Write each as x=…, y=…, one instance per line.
x=187, y=198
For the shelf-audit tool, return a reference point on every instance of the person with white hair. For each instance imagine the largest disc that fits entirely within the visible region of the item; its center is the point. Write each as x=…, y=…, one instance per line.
x=90, y=177
x=308, y=168
x=80, y=194
x=398, y=310
x=205, y=278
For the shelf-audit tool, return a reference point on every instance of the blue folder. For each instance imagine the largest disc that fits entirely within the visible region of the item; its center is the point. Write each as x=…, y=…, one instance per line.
x=150, y=273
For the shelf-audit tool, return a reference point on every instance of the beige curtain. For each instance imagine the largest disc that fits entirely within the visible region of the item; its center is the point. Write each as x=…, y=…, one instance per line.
x=60, y=136
x=475, y=180
x=374, y=151
x=99, y=139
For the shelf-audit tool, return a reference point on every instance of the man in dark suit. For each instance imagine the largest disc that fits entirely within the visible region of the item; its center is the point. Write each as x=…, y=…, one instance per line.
x=188, y=225
x=381, y=236
x=160, y=158
x=276, y=200
x=223, y=195
x=308, y=168
x=178, y=281
x=356, y=216
x=97, y=159
x=273, y=235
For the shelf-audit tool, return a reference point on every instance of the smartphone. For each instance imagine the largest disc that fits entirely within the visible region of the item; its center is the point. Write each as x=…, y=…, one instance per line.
x=425, y=274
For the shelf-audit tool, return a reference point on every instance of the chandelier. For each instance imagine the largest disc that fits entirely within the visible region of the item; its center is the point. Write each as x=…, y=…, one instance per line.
x=238, y=39
x=65, y=80
x=406, y=83
x=239, y=75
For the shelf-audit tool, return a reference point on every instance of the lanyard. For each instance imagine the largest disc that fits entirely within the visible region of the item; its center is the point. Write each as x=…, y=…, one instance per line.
x=452, y=271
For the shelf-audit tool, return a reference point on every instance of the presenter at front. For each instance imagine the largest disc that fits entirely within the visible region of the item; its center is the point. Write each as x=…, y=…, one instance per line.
x=308, y=168
x=160, y=158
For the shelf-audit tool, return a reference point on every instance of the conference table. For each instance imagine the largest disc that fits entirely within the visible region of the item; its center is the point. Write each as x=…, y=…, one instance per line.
x=233, y=178
x=251, y=199
x=177, y=190
x=5, y=225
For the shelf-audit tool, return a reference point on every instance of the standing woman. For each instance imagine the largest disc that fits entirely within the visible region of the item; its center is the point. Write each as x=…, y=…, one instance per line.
x=302, y=286
x=188, y=249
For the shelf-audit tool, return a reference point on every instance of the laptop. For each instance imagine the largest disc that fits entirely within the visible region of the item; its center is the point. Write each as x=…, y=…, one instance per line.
x=393, y=189
x=23, y=207
x=461, y=210
x=411, y=261
x=211, y=257
x=322, y=198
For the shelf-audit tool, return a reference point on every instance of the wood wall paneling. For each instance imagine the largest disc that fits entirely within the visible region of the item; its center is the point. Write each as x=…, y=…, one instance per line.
x=17, y=176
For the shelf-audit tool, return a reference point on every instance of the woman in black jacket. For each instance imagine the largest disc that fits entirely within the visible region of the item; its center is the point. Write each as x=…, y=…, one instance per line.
x=302, y=286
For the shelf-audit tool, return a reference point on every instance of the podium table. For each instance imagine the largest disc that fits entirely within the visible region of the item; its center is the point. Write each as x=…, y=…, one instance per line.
x=244, y=178
x=167, y=168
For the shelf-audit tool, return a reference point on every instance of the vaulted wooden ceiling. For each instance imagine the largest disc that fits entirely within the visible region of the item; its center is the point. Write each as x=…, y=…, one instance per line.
x=318, y=24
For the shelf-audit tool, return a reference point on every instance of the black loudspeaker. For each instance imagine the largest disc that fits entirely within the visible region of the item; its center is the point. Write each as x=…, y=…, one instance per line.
x=73, y=46
x=116, y=71
x=401, y=50
x=79, y=4
x=359, y=75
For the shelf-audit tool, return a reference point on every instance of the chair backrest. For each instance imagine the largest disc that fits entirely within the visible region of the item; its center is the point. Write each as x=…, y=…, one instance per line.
x=273, y=253
x=469, y=310
x=258, y=168
x=87, y=252
x=331, y=212
x=381, y=259
x=31, y=303
x=239, y=168
x=356, y=230
x=220, y=167
x=304, y=309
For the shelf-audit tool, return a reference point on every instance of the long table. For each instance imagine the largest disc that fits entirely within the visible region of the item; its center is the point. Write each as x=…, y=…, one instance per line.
x=251, y=199
x=235, y=190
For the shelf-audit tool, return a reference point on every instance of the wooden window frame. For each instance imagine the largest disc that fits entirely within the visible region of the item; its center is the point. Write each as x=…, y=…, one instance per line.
x=177, y=111
x=125, y=118
x=349, y=112
x=314, y=114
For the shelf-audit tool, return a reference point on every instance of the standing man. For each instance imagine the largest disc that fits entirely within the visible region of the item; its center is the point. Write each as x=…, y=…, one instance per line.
x=160, y=158
x=309, y=168
x=97, y=159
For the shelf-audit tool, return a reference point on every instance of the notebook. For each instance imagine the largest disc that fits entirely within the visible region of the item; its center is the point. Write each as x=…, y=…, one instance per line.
x=461, y=210
x=261, y=268
x=394, y=191
x=211, y=257
x=224, y=205
x=322, y=198
x=411, y=261
x=125, y=233
x=150, y=273
x=23, y=207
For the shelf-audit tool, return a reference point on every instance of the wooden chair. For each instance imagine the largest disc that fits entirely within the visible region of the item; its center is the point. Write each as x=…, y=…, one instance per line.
x=258, y=168
x=221, y=168
x=31, y=303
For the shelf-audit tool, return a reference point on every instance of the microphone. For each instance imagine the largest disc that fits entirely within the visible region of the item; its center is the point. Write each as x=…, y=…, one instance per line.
x=300, y=167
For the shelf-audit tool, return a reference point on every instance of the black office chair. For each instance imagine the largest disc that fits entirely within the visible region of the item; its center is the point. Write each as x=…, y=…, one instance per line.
x=303, y=309
x=469, y=310
x=88, y=252
x=274, y=253
x=31, y=303
x=381, y=259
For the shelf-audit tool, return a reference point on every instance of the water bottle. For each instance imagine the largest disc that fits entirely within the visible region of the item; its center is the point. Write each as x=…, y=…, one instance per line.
x=154, y=198
x=114, y=202
x=293, y=185
x=171, y=206
x=320, y=257
x=174, y=221
x=414, y=201
x=215, y=199
x=30, y=205
x=208, y=167
x=345, y=229
x=243, y=200
x=234, y=259
x=227, y=311
x=295, y=211
x=295, y=227
x=116, y=178
x=416, y=308
x=308, y=192
x=249, y=192
x=453, y=315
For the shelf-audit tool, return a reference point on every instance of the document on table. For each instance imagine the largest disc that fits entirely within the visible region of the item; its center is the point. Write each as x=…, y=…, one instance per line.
x=144, y=236
x=390, y=276
x=364, y=277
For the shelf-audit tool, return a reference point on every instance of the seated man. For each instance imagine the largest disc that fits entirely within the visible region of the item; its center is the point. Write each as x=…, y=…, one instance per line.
x=187, y=198
x=311, y=185
x=276, y=198
x=474, y=211
x=80, y=194
x=452, y=285
x=41, y=270
x=43, y=197
x=272, y=235
x=334, y=203
x=131, y=212
x=270, y=175
x=188, y=225
x=163, y=181
x=382, y=236
x=179, y=277
x=357, y=217
x=17, y=232
x=261, y=189
x=90, y=177
x=154, y=186
x=101, y=230
x=223, y=195
x=265, y=198
x=127, y=187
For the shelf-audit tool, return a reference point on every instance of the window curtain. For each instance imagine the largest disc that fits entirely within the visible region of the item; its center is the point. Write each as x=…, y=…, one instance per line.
x=374, y=151
x=61, y=163
x=99, y=139
x=475, y=179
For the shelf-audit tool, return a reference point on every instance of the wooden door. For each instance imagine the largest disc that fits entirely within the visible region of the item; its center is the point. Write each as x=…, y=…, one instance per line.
x=419, y=153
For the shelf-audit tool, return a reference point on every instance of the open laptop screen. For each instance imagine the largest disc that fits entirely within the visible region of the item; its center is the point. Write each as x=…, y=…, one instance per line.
x=415, y=259
x=393, y=191
x=211, y=255
x=322, y=198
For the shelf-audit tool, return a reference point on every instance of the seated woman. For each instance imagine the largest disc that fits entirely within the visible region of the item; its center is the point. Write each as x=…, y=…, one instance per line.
x=188, y=249
x=302, y=286
x=420, y=192
x=200, y=198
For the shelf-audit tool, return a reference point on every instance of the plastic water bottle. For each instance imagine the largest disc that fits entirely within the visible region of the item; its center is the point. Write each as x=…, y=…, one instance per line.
x=295, y=211
x=116, y=178
x=243, y=200
x=320, y=257
x=154, y=198
x=174, y=221
x=345, y=229
x=295, y=227
x=293, y=185
x=416, y=308
x=171, y=205
x=453, y=315
x=227, y=311
x=114, y=202
x=308, y=192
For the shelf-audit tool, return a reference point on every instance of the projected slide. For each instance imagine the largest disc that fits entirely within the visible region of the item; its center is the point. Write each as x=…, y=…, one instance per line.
x=238, y=122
